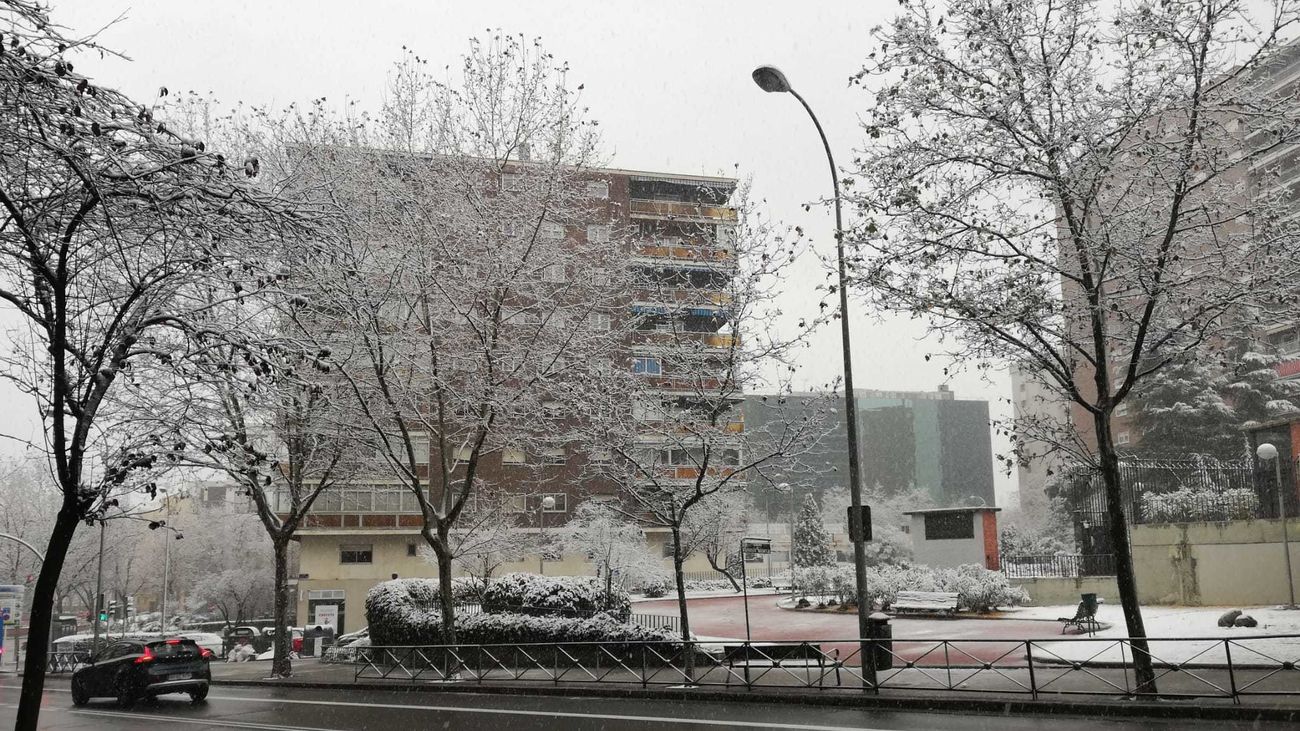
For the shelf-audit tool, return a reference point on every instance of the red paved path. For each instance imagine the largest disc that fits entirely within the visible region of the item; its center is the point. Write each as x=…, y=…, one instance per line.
x=725, y=617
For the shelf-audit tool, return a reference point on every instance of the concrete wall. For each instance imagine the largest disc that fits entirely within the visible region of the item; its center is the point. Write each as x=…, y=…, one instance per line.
x=1052, y=590
x=1214, y=564
x=947, y=552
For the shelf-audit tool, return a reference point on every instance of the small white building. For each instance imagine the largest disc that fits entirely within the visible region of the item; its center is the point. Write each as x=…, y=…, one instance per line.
x=955, y=536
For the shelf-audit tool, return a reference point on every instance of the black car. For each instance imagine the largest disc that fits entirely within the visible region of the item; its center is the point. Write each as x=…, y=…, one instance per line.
x=131, y=669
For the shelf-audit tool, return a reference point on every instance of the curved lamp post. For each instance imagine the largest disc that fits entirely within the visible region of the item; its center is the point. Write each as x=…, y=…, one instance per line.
x=1267, y=452
x=770, y=79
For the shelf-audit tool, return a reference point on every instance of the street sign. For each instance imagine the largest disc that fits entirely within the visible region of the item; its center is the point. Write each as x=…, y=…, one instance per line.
x=11, y=601
x=328, y=614
x=859, y=524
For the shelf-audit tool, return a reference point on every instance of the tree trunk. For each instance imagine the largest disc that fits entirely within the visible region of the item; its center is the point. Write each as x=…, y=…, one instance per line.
x=281, y=665
x=1125, y=578
x=688, y=650
x=446, y=595
x=38, y=626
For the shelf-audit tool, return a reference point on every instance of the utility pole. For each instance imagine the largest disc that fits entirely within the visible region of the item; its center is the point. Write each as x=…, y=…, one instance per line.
x=99, y=589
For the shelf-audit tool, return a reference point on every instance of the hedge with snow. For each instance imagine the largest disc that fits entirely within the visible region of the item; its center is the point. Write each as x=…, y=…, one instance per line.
x=564, y=596
x=405, y=612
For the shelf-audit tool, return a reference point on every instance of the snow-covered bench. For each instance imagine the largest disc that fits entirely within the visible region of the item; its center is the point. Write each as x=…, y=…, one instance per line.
x=925, y=601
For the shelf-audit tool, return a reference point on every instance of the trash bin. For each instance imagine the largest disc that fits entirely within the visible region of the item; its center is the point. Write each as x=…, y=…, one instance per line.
x=879, y=630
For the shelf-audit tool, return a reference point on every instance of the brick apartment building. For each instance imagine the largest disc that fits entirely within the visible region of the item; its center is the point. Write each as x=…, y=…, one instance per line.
x=368, y=530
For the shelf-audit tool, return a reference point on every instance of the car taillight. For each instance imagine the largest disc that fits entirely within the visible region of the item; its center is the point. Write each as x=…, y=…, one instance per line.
x=173, y=642
x=146, y=657
x=205, y=653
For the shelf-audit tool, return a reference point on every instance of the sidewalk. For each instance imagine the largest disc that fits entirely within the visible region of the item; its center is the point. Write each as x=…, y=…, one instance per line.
x=1061, y=690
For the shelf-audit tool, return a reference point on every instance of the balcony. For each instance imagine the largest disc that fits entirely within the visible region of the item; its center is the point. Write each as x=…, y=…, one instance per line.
x=668, y=338
x=661, y=252
x=680, y=211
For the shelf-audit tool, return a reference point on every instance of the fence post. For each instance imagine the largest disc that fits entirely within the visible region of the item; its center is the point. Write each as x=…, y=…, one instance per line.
x=1232, y=675
x=1029, y=656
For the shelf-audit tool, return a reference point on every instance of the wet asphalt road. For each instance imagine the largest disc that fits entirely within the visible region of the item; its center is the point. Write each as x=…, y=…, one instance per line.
x=332, y=710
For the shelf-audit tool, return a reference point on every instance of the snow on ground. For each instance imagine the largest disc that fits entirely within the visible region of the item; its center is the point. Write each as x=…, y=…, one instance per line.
x=1176, y=634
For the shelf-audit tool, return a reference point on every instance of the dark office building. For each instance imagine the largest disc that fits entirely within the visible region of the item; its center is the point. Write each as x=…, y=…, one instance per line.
x=929, y=439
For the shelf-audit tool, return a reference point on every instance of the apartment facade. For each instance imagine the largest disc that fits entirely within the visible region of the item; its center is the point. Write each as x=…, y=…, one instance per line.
x=681, y=256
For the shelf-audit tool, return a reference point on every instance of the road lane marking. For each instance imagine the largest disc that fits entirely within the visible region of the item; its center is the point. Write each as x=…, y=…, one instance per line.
x=555, y=714
x=517, y=712
x=220, y=723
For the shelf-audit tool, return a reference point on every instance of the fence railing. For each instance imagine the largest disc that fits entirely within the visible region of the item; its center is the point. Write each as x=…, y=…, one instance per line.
x=1233, y=669
x=65, y=662
x=1069, y=565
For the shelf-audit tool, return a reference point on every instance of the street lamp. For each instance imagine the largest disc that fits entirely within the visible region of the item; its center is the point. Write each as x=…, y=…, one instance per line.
x=167, y=569
x=770, y=79
x=547, y=503
x=1267, y=452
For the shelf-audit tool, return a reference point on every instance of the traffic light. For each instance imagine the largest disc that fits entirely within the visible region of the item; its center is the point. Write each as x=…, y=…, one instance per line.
x=130, y=606
x=100, y=611
x=112, y=610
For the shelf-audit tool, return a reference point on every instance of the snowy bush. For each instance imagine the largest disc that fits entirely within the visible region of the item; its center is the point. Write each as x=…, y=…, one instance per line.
x=655, y=588
x=709, y=585
x=404, y=612
x=978, y=589
x=573, y=596
x=509, y=629
x=1189, y=505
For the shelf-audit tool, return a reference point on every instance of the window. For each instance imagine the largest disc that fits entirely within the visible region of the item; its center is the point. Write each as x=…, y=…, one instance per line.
x=463, y=454
x=667, y=548
x=356, y=553
x=410, y=549
x=1121, y=410
x=949, y=526
x=597, y=189
x=420, y=445
x=1121, y=437
x=598, y=234
x=731, y=457
x=551, y=408
x=644, y=409
x=513, y=456
x=552, y=230
x=600, y=456
x=553, y=455
x=1286, y=341
x=516, y=504
x=647, y=366
x=598, y=321
x=512, y=181
x=554, y=273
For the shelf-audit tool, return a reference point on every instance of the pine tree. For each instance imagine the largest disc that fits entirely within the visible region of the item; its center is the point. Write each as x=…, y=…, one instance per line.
x=812, y=544
x=1181, y=411
x=1256, y=391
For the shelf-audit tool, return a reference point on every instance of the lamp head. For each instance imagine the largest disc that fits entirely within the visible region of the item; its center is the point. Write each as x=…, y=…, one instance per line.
x=770, y=79
x=548, y=502
x=1266, y=451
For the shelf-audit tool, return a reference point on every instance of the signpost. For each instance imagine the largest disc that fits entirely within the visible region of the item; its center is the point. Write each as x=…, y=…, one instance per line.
x=750, y=545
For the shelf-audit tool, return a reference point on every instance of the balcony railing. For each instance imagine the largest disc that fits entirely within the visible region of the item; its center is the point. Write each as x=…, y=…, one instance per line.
x=681, y=211
x=712, y=256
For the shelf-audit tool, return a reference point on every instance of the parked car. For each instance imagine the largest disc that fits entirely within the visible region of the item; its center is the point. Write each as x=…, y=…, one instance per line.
x=132, y=669
x=208, y=641
x=349, y=638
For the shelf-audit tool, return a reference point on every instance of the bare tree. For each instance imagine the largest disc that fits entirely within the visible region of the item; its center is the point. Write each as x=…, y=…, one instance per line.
x=468, y=301
x=718, y=525
x=108, y=219
x=1080, y=188
x=612, y=543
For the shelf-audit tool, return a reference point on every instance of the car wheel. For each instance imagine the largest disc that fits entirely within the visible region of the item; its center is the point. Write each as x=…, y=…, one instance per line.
x=200, y=695
x=125, y=693
x=79, y=695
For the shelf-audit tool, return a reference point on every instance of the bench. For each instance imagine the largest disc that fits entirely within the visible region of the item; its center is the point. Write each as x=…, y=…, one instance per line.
x=925, y=601
x=805, y=655
x=785, y=584
x=1085, y=617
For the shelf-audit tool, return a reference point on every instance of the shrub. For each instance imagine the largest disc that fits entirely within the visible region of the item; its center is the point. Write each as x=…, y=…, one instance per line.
x=404, y=612
x=655, y=588
x=467, y=589
x=1190, y=504
x=564, y=596
x=710, y=584
x=978, y=589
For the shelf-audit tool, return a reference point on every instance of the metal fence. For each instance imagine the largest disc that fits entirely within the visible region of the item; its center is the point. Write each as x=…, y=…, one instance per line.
x=1070, y=565
x=1234, y=670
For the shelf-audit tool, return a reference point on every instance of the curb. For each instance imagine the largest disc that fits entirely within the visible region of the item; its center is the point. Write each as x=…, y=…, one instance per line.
x=1171, y=709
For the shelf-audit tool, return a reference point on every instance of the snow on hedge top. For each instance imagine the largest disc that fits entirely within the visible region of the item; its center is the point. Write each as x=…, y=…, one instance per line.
x=572, y=595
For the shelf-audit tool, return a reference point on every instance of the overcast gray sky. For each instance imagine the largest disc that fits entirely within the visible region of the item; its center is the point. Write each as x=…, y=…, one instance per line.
x=669, y=82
